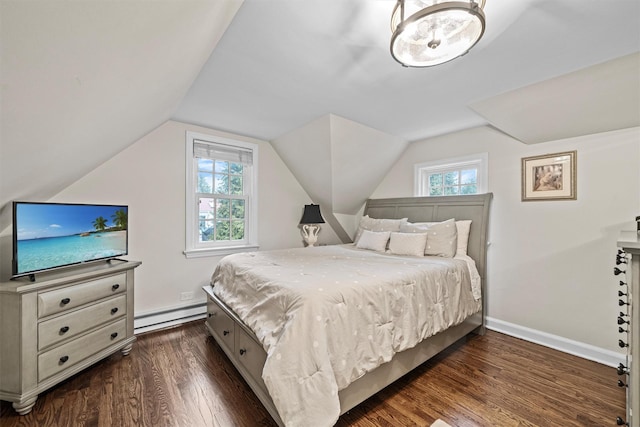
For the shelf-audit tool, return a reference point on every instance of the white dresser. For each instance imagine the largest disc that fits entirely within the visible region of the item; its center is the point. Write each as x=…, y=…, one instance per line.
x=60, y=324
x=627, y=272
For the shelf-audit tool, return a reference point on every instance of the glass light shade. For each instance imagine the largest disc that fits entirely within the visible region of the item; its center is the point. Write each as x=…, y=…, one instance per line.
x=432, y=32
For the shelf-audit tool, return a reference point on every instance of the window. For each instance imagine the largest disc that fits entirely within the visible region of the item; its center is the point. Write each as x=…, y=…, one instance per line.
x=221, y=195
x=451, y=177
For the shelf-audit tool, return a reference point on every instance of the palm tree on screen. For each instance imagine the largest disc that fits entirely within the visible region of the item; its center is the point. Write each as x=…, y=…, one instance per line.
x=100, y=223
x=120, y=219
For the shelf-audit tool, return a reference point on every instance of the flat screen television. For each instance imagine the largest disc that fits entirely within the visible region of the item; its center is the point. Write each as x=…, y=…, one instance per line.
x=47, y=236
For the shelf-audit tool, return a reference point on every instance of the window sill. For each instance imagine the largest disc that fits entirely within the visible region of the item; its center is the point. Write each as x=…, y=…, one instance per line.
x=201, y=253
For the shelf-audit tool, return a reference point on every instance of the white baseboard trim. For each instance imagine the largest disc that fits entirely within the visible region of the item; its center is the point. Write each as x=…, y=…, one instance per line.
x=169, y=317
x=175, y=316
x=576, y=348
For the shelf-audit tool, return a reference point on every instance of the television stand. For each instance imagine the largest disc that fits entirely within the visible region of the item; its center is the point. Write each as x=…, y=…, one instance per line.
x=65, y=322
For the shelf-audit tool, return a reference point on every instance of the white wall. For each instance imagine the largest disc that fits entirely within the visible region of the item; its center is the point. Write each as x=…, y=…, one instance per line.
x=550, y=265
x=149, y=176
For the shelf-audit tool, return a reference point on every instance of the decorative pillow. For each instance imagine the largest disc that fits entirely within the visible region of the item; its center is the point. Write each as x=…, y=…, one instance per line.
x=374, y=224
x=416, y=227
x=374, y=240
x=463, y=228
x=407, y=243
x=442, y=239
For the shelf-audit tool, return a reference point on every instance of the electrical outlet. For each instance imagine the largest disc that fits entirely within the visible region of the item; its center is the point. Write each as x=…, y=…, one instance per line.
x=185, y=296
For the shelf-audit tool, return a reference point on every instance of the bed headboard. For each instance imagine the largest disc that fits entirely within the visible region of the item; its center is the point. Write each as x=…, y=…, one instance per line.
x=426, y=209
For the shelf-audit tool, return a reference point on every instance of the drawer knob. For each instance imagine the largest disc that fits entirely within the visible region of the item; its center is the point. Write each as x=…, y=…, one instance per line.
x=65, y=301
x=621, y=383
x=621, y=321
x=622, y=369
x=622, y=294
x=63, y=359
x=622, y=344
x=621, y=303
x=621, y=422
x=622, y=283
x=621, y=330
x=64, y=330
x=617, y=271
x=225, y=333
x=242, y=351
x=114, y=310
x=115, y=287
x=114, y=335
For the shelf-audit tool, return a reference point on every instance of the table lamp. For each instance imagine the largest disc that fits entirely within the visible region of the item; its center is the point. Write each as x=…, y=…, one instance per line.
x=311, y=218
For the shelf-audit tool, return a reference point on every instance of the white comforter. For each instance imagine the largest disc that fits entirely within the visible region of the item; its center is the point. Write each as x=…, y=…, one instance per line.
x=327, y=315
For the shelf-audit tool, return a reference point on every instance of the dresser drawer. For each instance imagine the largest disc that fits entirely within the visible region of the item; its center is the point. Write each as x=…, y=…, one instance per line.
x=52, y=302
x=69, y=325
x=251, y=355
x=65, y=356
x=223, y=325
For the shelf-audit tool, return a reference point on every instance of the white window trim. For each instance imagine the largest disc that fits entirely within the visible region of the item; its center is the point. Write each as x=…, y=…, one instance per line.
x=481, y=160
x=192, y=248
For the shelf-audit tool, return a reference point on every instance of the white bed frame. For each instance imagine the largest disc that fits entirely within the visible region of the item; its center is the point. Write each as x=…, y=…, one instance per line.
x=249, y=357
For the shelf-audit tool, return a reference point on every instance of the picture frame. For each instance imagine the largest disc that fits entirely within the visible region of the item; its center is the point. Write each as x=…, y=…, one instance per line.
x=549, y=177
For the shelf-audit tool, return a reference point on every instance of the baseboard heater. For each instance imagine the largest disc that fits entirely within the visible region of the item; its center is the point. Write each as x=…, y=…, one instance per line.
x=170, y=317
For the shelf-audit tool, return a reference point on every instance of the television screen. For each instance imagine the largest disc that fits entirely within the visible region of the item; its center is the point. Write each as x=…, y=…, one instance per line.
x=51, y=235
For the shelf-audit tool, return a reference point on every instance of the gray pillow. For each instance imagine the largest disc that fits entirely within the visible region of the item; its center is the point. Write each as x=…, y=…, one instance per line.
x=442, y=239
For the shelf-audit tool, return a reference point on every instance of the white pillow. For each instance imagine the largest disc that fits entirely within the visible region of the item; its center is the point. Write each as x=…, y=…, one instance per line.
x=374, y=240
x=442, y=239
x=407, y=243
x=375, y=224
x=463, y=228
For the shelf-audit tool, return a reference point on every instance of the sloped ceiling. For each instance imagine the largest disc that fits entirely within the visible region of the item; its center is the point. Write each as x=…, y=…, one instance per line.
x=284, y=63
x=597, y=99
x=339, y=163
x=81, y=80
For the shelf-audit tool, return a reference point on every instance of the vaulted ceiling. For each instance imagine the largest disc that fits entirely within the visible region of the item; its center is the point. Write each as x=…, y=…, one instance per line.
x=82, y=80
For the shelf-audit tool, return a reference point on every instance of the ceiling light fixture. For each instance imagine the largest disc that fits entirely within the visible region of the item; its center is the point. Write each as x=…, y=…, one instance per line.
x=432, y=32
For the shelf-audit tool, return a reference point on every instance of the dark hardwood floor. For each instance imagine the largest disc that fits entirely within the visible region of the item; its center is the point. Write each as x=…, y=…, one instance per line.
x=180, y=377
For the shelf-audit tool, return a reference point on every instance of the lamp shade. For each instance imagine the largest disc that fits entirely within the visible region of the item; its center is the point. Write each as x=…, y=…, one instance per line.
x=312, y=215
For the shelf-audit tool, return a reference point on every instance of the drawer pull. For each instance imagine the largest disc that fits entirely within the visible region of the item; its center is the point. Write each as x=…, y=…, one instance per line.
x=621, y=383
x=114, y=335
x=621, y=422
x=621, y=321
x=617, y=271
x=64, y=330
x=65, y=301
x=622, y=369
x=622, y=344
x=242, y=351
x=621, y=330
x=225, y=333
x=63, y=359
x=115, y=287
x=621, y=303
x=114, y=310
x=622, y=294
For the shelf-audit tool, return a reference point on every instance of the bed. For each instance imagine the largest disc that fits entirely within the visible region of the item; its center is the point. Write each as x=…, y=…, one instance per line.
x=255, y=298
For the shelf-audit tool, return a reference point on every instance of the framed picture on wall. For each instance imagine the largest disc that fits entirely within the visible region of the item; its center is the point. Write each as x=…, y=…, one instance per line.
x=549, y=177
